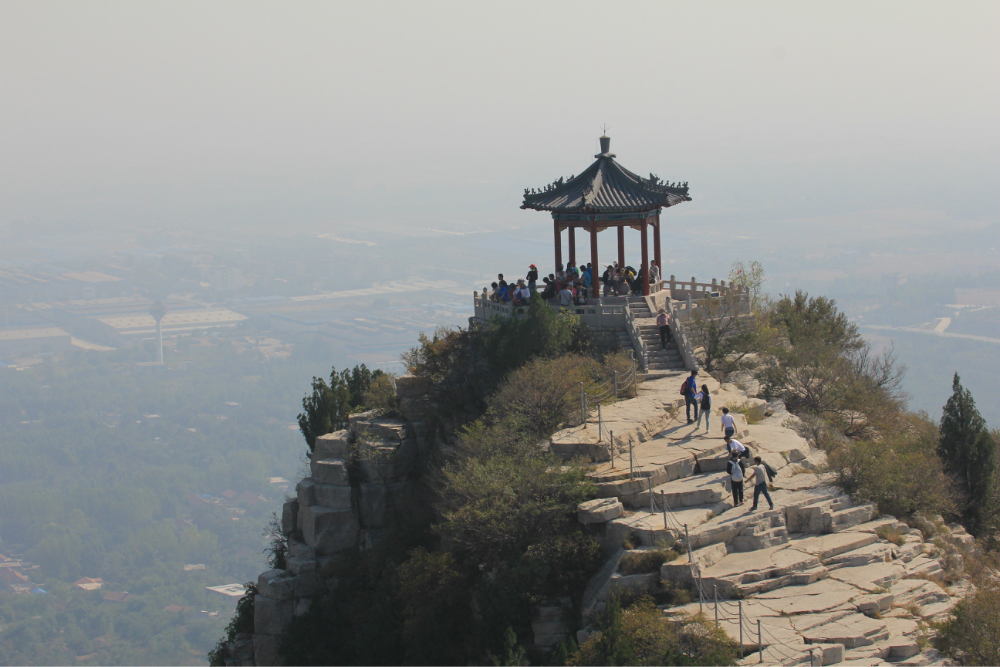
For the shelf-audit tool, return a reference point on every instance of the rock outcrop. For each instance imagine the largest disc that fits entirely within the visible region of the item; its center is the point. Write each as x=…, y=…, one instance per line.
x=813, y=572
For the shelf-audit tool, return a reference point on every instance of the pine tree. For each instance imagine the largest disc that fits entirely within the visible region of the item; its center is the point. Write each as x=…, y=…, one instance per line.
x=968, y=452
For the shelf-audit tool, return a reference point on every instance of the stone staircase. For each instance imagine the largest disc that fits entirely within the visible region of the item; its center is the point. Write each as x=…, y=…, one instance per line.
x=659, y=359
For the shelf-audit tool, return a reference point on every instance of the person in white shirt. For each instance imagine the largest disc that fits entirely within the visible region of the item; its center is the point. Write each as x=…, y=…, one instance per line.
x=759, y=474
x=734, y=445
x=728, y=423
x=566, y=297
x=737, y=474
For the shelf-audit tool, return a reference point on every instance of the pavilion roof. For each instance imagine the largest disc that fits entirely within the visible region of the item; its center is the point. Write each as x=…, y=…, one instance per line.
x=606, y=187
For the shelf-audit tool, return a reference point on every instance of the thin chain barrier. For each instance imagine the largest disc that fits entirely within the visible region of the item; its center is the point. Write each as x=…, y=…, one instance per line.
x=725, y=609
x=597, y=395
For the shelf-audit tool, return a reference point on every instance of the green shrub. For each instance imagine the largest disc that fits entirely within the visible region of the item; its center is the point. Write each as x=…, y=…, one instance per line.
x=891, y=534
x=972, y=635
x=640, y=635
x=900, y=473
x=753, y=412
x=241, y=623
x=645, y=561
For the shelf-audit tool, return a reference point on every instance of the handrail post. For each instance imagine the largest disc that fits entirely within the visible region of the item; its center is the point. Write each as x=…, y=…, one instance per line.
x=612, y=450
x=740, y=605
x=760, y=644
x=600, y=424
x=616, y=385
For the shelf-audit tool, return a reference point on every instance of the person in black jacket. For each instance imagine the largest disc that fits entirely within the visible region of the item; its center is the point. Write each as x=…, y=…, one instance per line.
x=737, y=473
x=532, y=277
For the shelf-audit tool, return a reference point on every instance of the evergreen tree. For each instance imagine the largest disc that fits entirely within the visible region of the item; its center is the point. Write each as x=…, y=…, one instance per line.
x=968, y=452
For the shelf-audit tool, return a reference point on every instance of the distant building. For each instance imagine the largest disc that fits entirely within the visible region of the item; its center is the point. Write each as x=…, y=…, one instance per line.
x=193, y=567
x=117, y=597
x=33, y=340
x=229, y=494
x=88, y=584
x=234, y=591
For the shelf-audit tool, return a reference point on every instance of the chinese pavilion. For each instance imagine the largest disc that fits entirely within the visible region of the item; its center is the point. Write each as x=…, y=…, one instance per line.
x=607, y=195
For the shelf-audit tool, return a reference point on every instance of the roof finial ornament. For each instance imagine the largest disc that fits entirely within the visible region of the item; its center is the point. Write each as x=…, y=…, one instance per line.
x=605, y=129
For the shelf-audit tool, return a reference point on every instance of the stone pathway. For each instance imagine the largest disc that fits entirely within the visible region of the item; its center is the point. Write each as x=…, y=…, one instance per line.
x=812, y=571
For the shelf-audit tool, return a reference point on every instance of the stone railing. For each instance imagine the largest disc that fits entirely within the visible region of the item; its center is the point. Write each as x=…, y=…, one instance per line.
x=600, y=312
x=635, y=335
x=681, y=290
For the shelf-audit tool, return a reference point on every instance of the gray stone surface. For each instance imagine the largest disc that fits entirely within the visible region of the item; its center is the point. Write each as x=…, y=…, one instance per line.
x=379, y=503
x=334, y=496
x=270, y=616
x=289, y=516
x=336, y=445
x=599, y=510
x=329, y=471
x=275, y=584
x=305, y=493
x=328, y=530
x=265, y=649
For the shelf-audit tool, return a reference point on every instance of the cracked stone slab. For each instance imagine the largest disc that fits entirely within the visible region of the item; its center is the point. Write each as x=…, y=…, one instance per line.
x=834, y=544
x=870, y=578
x=852, y=631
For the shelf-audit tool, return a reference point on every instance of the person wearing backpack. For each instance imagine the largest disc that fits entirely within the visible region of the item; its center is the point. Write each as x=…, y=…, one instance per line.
x=737, y=473
x=690, y=390
x=759, y=474
x=704, y=398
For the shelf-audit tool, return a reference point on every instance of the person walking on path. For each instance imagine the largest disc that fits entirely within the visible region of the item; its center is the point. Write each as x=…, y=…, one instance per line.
x=532, y=277
x=705, y=398
x=759, y=474
x=663, y=321
x=728, y=424
x=690, y=389
x=737, y=473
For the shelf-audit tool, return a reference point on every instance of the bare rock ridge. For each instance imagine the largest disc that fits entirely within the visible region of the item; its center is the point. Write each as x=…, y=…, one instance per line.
x=360, y=479
x=813, y=571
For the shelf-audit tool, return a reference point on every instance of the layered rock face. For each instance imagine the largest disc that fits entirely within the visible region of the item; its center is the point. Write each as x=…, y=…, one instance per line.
x=817, y=572
x=360, y=482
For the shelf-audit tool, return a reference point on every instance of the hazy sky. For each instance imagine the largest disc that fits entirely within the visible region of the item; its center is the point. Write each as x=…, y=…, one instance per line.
x=264, y=113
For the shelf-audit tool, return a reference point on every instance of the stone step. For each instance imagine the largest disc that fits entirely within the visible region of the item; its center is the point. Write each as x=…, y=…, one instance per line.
x=854, y=516
x=693, y=490
x=769, y=538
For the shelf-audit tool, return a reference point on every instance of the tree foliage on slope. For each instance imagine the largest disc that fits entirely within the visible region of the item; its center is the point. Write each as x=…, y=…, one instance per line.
x=327, y=407
x=968, y=452
x=465, y=366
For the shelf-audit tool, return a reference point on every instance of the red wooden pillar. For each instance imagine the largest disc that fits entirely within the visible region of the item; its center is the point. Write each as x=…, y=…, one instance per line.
x=555, y=224
x=645, y=261
x=572, y=244
x=594, y=269
x=621, y=246
x=656, y=247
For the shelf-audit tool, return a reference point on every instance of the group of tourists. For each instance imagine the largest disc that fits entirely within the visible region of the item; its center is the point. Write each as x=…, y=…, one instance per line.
x=571, y=285
x=737, y=467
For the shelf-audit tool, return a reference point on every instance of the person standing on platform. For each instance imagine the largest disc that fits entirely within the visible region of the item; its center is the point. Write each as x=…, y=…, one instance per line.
x=691, y=388
x=705, y=399
x=532, y=277
x=737, y=473
x=728, y=424
x=654, y=276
